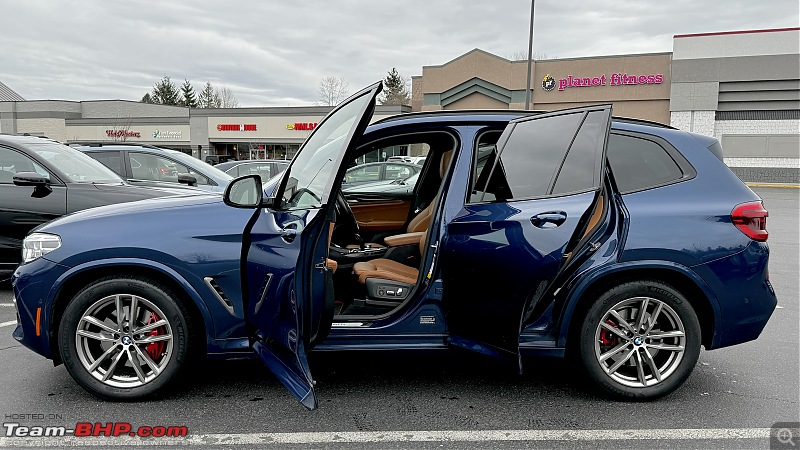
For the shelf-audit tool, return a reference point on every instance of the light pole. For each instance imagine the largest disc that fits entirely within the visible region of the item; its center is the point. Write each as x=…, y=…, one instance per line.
x=530, y=60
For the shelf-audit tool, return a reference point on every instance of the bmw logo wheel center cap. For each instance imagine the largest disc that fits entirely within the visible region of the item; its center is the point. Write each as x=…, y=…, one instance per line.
x=127, y=340
x=637, y=341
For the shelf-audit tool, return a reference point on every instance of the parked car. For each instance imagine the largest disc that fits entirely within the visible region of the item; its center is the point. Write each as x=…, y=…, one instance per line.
x=623, y=244
x=41, y=179
x=379, y=171
x=399, y=186
x=418, y=160
x=265, y=168
x=154, y=166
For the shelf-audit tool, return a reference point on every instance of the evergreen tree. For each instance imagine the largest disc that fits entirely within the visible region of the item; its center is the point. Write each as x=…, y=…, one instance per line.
x=165, y=92
x=188, y=97
x=395, y=91
x=208, y=97
x=147, y=98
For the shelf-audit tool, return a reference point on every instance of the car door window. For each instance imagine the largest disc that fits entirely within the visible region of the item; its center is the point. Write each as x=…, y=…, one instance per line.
x=580, y=170
x=363, y=174
x=530, y=158
x=262, y=170
x=150, y=167
x=12, y=163
x=398, y=172
x=112, y=160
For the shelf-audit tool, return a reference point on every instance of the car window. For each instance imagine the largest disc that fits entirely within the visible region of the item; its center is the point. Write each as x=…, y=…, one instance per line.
x=112, y=160
x=483, y=163
x=363, y=174
x=262, y=170
x=640, y=163
x=13, y=162
x=147, y=166
x=530, y=158
x=74, y=164
x=316, y=164
x=580, y=169
x=397, y=172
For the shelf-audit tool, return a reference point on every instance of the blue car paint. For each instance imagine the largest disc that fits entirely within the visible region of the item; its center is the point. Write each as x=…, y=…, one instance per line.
x=634, y=237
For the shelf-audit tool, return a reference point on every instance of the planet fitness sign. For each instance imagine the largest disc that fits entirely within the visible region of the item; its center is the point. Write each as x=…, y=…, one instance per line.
x=615, y=79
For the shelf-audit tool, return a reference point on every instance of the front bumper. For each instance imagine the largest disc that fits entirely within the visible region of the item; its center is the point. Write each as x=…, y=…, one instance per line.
x=32, y=285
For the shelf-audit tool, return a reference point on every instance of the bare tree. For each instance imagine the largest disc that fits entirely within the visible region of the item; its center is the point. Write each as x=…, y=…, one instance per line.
x=332, y=90
x=226, y=97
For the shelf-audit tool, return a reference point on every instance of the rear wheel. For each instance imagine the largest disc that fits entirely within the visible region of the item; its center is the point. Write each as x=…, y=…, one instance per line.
x=124, y=338
x=640, y=340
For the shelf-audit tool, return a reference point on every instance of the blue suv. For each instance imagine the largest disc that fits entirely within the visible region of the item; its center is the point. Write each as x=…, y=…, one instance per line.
x=622, y=244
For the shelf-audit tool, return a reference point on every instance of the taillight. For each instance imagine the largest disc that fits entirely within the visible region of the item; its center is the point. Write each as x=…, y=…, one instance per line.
x=751, y=219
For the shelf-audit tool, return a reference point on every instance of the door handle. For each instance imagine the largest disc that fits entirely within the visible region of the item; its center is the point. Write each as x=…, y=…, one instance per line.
x=555, y=217
x=289, y=233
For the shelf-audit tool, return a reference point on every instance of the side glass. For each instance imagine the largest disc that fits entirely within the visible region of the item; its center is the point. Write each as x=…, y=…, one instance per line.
x=12, y=162
x=317, y=163
x=112, y=160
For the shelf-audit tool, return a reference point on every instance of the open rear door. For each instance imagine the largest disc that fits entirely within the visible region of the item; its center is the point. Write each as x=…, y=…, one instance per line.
x=533, y=200
x=287, y=303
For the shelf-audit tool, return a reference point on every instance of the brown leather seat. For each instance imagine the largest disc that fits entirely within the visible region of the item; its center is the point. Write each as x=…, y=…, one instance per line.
x=387, y=269
x=421, y=221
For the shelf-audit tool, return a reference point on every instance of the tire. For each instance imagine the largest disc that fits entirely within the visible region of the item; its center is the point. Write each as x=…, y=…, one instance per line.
x=113, y=364
x=645, y=365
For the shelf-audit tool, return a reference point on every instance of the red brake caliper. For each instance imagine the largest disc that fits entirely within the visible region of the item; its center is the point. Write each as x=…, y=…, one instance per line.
x=155, y=349
x=607, y=337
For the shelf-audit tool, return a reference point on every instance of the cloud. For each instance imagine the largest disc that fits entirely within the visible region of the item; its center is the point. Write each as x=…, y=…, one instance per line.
x=275, y=53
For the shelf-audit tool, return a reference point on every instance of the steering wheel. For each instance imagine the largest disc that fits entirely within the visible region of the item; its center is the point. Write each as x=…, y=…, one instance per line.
x=346, y=220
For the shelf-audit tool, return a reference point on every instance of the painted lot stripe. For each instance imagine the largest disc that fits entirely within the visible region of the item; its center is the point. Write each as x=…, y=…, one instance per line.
x=8, y=324
x=775, y=185
x=395, y=437
x=6, y=304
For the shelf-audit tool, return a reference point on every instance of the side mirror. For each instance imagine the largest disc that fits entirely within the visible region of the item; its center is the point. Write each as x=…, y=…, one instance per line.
x=30, y=179
x=185, y=178
x=245, y=192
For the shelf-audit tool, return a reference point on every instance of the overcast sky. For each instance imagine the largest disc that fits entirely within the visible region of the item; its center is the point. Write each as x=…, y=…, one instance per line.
x=274, y=53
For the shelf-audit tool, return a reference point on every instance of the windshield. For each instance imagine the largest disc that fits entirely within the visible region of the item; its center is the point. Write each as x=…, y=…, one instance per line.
x=77, y=167
x=317, y=161
x=200, y=166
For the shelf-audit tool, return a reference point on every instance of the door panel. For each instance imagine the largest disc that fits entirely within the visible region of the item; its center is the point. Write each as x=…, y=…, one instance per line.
x=503, y=251
x=381, y=215
x=285, y=270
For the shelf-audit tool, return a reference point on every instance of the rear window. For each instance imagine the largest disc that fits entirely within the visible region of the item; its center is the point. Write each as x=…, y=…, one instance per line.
x=640, y=164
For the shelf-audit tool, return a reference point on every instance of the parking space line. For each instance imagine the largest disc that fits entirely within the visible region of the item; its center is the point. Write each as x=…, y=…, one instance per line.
x=261, y=439
x=8, y=324
x=6, y=304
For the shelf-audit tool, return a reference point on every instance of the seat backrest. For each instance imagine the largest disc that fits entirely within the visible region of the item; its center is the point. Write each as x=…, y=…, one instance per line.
x=421, y=221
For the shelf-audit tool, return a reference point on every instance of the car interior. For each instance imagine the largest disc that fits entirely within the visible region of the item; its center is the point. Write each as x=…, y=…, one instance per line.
x=378, y=243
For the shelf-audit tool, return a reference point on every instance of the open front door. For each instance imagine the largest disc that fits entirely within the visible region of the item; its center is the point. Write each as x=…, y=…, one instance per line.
x=535, y=197
x=284, y=269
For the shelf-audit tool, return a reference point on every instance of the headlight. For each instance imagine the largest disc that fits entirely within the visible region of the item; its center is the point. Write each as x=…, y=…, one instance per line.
x=38, y=244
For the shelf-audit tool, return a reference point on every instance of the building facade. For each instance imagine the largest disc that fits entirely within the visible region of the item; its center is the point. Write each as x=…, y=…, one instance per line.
x=241, y=133
x=741, y=87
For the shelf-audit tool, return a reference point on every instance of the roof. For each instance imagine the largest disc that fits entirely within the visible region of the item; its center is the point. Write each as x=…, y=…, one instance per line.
x=9, y=95
x=719, y=33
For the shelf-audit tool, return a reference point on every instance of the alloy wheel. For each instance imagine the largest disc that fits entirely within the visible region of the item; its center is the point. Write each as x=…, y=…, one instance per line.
x=124, y=341
x=640, y=341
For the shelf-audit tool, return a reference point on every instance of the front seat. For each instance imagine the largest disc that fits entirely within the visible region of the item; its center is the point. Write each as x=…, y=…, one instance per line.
x=386, y=269
x=421, y=221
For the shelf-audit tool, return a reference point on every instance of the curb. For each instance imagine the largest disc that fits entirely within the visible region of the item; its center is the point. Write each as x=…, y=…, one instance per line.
x=775, y=185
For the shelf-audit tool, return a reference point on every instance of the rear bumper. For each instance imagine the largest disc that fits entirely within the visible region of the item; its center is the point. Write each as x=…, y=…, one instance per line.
x=745, y=296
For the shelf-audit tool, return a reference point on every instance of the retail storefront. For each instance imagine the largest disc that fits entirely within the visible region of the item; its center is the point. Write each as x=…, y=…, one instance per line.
x=741, y=87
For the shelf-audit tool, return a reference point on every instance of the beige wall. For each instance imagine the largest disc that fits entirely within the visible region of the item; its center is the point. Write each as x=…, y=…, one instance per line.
x=97, y=133
x=52, y=128
x=477, y=101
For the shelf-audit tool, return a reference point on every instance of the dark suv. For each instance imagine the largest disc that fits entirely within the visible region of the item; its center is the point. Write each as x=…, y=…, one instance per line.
x=622, y=244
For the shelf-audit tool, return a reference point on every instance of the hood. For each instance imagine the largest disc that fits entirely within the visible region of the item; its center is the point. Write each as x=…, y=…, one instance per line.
x=165, y=200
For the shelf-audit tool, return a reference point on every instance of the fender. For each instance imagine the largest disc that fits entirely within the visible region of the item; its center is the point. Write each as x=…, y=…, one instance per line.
x=164, y=269
x=593, y=275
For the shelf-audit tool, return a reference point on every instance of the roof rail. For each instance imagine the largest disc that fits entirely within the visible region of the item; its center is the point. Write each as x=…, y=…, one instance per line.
x=104, y=144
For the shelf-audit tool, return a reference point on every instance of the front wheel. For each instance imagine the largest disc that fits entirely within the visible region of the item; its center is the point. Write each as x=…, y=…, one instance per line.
x=124, y=338
x=640, y=340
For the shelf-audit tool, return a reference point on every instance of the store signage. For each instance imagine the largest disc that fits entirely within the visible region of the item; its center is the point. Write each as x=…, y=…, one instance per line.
x=158, y=134
x=615, y=79
x=237, y=127
x=303, y=126
x=122, y=133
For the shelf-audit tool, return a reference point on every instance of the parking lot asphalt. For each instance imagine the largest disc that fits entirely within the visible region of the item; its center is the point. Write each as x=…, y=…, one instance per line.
x=731, y=400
